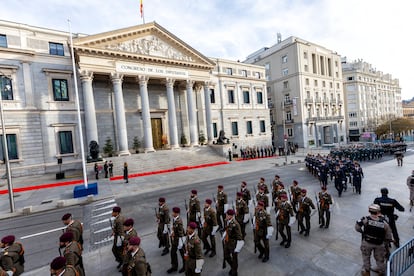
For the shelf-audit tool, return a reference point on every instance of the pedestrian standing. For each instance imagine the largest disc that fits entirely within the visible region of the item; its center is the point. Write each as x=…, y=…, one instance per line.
x=376, y=233
x=177, y=241
x=387, y=209
x=410, y=184
x=126, y=172
x=96, y=170
x=12, y=256
x=233, y=241
x=118, y=234
x=106, y=169
x=111, y=168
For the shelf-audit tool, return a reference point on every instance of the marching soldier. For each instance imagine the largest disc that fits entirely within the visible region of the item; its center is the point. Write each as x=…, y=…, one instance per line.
x=12, y=256
x=387, y=206
x=339, y=176
x=194, y=210
x=242, y=213
x=137, y=263
x=246, y=193
x=233, y=242
x=72, y=251
x=323, y=173
x=221, y=206
x=177, y=241
x=261, y=196
x=285, y=211
x=118, y=233
x=410, y=185
x=357, y=175
x=74, y=226
x=262, y=184
x=275, y=183
x=325, y=201
x=305, y=203
x=295, y=191
x=129, y=232
x=163, y=220
x=209, y=228
x=58, y=267
x=376, y=233
x=263, y=231
x=193, y=252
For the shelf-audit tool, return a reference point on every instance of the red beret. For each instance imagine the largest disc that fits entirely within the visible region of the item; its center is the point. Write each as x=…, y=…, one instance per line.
x=176, y=210
x=208, y=201
x=66, y=237
x=283, y=196
x=220, y=186
x=244, y=183
x=192, y=225
x=116, y=209
x=129, y=222
x=281, y=185
x=260, y=203
x=239, y=194
x=194, y=192
x=58, y=263
x=261, y=187
x=277, y=176
x=161, y=199
x=295, y=182
x=230, y=212
x=303, y=191
x=324, y=188
x=66, y=216
x=261, y=178
x=8, y=239
x=135, y=241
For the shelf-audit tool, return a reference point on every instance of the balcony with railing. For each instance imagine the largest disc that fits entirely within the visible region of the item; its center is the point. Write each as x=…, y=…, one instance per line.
x=325, y=101
x=288, y=103
x=340, y=102
x=289, y=122
x=318, y=100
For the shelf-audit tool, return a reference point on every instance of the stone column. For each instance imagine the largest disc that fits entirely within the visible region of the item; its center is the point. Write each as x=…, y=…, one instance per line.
x=89, y=107
x=120, y=114
x=145, y=113
x=191, y=114
x=208, y=112
x=172, y=119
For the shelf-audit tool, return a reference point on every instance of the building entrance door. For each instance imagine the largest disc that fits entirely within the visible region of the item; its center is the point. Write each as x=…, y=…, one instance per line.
x=156, y=125
x=327, y=135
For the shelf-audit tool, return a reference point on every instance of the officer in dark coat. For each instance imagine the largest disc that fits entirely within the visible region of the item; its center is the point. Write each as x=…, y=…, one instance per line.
x=339, y=176
x=387, y=209
x=357, y=175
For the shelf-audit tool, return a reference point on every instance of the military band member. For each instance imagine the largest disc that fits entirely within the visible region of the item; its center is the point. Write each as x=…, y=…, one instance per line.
x=12, y=256
x=177, y=240
x=74, y=226
x=285, y=211
x=242, y=213
x=163, y=220
x=221, y=206
x=246, y=193
x=58, y=267
x=129, y=232
x=357, y=175
x=233, y=242
x=118, y=234
x=304, y=211
x=209, y=228
x=295, y=191
x=325, y=201
x=376, y=233
x=263, y=231
x=193, y=252
x=137, y=263
x=72, y=251
x=261, y=196
x=194, y=210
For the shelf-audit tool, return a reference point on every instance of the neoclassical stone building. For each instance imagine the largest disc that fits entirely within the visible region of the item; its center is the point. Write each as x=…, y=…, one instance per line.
x=140, y=81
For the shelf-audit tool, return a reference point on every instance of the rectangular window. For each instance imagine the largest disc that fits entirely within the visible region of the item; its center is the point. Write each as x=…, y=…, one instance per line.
x=60, y=90
x=3, y=40
x=262, y=126
x=307, y=81
x=322, y=62
x=284, y=59
x=234, y=129
x=315, y=83
x=285, y=84
x=259, y=96
x=244, y=73
x=246, y=97
x=285, y=72
x=249, y=127
x=290, y=132
x=329, y=67
x=212, y=96
x=65, y=142
x=305, y=55
x=306, y=68
x=257, y=75
x=314, y=64
x=11, y=147
x=6, y=88
x=215, y=135
x=230, y=94
x=56, y=49
x=229, y=71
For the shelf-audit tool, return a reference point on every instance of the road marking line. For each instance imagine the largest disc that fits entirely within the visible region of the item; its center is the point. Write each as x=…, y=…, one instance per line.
x=104, y=202
x=102, y=230
x=103, y=214
x=44, y=232
x=105, y=207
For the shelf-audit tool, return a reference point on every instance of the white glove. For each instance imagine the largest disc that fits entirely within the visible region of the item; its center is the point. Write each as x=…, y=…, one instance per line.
x=181, y=241
x=246, y=218
x=239, y=246
x=254, y=223
x=9, y=273
x=165, y=229
x=202, y=220
x=198, y=216
x=224, y=236
x=119, y=241
x=269, y=232
x=250, y=203
x=277, y=213
x=199, y=265
x=215, y=228
x=226, y=207
x=268, y=209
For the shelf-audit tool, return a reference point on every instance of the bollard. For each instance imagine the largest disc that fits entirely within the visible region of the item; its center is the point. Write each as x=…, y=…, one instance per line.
x=229, y=154
x=27, y=210
x=60, y=203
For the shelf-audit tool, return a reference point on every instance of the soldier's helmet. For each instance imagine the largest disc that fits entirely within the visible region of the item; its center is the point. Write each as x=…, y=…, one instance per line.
x=374, y=208
x=384, y=191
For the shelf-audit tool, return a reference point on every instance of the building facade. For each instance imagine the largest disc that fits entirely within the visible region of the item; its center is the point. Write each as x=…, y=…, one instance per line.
x=408, y=109
x=138, y=82
x=372, y=98
x=304, y=84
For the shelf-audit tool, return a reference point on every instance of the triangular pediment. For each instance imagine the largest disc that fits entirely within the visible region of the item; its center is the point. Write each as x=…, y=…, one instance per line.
x=147, y=41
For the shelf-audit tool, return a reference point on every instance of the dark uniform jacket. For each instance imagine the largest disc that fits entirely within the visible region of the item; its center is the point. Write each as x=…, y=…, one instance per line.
x=163, y=215
x=177, y=230
x=77, y=229
x=387, y=205
x=194, y=208
x=262, y=184
x=246, y=195
x=193, y=251
x=128, y=235
x=11, y=258
x=264, y=198
x=73, y=255
x=241, y=210
x=305, y=204
x=295, y=190
x=137, y=264
x=221, y=200
x=325, y=200
x=262, y=220
x=233, y=234
x=210, y=220
x=118, y=228
x=285, y=211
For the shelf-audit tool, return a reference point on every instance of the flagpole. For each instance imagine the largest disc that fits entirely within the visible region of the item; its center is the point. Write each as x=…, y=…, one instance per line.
x=85, y=178
x=141, y=9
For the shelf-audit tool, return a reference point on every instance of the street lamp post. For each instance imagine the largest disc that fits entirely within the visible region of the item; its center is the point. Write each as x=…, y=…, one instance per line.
x=5, y=148
x=284, y=129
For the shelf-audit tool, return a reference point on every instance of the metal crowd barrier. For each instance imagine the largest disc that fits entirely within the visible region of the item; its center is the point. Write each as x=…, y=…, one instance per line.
x=401, y=259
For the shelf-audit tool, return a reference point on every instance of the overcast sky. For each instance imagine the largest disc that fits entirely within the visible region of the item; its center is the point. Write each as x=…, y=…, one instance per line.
x=377, y=31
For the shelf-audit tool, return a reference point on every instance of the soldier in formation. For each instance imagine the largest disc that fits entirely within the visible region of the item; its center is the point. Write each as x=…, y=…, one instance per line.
x=72, y=251
x=177, y=240
x=209, y=228
x=376, y=233
x=129, y=232
x=118, y=234
x=295, y=191
x=304, y=212
x=325, y=202
x=275, y=184
x=137, y=263
x=194, y=210
x=262, y=197
x=284, y=213
x=58, y=267
x=263, y=231
x=11, y=256
x=233, y=242
x=193, y=253
x=339, y=177
x=163, y=220
x=357, y=175
x=74, y=226
x=221, y=206
x=242, y=213
x=246, y=193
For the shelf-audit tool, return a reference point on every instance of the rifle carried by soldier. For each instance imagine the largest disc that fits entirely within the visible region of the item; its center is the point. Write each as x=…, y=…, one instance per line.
x=319, y=208
x=186, y=209
x=253, y=224
x=277, y=225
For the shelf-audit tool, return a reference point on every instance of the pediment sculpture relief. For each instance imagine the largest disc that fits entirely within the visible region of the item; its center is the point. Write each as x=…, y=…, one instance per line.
x=150, y=45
